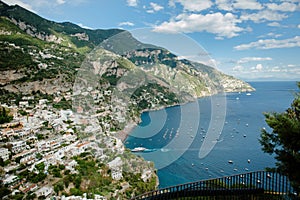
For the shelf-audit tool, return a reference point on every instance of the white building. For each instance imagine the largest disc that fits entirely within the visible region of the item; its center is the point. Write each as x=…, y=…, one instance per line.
x=43, y=103
x=18, y=146
x=4, y=154
x=44, y=191
x=10, y=180
x=71, y=166
x=23, y=104
x=116, y=175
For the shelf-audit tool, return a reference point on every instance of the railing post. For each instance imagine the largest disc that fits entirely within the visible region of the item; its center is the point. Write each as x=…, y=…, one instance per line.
x=251, y=180
x=245, y=184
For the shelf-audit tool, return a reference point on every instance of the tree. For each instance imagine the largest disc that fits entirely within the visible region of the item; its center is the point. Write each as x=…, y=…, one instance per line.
x=284, y=140
x=4, y=117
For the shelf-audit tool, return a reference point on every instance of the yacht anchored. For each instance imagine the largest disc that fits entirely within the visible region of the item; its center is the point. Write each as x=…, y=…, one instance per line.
x=138, y=149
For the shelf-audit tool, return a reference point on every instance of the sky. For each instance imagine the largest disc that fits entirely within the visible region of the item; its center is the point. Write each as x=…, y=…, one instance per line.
x=249, y=39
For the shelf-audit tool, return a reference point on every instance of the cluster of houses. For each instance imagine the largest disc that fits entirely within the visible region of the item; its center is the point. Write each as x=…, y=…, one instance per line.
x=40, y=133
x=45, y=135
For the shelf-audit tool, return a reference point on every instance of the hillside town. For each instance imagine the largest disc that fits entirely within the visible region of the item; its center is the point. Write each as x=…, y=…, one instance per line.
x=43, y=145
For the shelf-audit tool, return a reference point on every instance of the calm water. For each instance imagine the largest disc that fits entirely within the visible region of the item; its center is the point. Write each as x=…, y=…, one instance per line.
x=174, y=136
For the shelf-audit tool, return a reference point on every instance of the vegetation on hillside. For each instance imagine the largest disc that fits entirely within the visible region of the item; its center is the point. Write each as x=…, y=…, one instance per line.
x=41, y=59
x=5, y=117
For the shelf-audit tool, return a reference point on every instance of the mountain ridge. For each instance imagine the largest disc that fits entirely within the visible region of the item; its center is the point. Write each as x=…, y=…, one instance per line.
x=99, y=82
x=49, y=56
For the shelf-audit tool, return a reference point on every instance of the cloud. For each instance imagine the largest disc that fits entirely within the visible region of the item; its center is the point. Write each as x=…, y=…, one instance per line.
x=223, y=25
x=247, y=4
x=193, y=5
x=259, y=67
x=20, y=3
x=238, y=68
x=271, y=44
x=126, y=24
x=273, y=35
x=274, y=24
x=172, y=4
x=132, y=3
x=36, y=5
x=253, y=59
x=277, y=72
x=224, y=4
x=154, y=7
x=229, y=5
x=264, y=15
x=83, y=26
x=284, y=7
x=60, y=2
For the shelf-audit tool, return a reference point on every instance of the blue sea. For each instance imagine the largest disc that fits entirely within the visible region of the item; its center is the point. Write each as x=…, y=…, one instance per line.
x=211, y=137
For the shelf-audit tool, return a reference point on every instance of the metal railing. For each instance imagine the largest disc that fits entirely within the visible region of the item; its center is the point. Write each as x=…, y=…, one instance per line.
x=250, y=184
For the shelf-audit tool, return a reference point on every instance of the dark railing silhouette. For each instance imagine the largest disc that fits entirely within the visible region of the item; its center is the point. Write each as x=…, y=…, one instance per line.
x=259, y=183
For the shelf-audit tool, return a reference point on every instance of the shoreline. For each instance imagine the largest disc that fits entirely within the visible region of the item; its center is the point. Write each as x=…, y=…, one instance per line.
x=123, y=134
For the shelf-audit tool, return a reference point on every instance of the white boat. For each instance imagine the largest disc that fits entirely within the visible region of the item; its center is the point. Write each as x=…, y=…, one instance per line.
x=138, y=149
x=230, y=161
x=248, y=94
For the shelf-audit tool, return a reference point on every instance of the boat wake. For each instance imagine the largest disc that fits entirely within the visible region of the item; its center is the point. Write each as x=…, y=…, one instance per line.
x=164, y=150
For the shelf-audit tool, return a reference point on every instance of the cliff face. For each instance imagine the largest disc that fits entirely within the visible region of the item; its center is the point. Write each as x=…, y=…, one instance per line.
x=106, y=76
x=49, y=53
x=184, y=75
x=38, y=55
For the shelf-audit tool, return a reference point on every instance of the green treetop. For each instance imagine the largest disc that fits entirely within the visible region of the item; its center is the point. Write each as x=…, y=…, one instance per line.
x=284, y=140
x=4, y=116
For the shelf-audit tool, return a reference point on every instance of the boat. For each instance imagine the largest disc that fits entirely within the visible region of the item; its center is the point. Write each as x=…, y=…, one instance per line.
x=248, y=161
x=230, y=161
x=248, y=94
x=138, y=149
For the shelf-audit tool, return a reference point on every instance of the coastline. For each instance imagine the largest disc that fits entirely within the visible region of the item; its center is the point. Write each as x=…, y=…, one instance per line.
x=123, y=134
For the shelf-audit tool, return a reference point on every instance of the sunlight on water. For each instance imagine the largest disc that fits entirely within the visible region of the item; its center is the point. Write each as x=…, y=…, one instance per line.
x=236, y=149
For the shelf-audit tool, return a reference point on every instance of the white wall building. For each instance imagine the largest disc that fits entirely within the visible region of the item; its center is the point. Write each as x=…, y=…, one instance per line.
x=44, y=191
x=4, y=154
x=18, y=146
x=116, y=175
